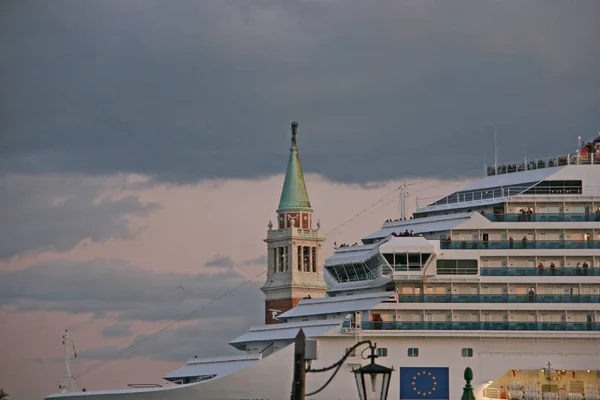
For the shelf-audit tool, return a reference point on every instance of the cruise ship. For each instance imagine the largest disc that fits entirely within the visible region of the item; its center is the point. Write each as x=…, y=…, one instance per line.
x=502, y=276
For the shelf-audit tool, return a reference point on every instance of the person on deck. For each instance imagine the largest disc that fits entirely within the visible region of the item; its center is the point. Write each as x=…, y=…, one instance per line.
x=531, y=295
x=540, y=269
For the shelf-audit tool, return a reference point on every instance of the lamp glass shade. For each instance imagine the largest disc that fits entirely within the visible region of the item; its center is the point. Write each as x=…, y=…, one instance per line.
x=372, y=381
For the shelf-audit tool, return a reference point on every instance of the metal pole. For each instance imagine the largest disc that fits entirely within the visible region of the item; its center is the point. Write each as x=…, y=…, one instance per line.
x=298, y=384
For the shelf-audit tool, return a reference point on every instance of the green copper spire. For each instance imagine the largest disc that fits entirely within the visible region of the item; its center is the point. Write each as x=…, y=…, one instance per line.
x=294, y=194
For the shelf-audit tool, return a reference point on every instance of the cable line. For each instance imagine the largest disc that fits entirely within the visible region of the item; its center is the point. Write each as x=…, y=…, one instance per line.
x=167, y=327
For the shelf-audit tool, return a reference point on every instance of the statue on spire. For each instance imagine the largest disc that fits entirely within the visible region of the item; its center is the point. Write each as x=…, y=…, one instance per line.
x=294, y=132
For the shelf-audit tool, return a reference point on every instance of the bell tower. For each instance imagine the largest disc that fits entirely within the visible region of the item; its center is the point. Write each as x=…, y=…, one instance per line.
x=295, y=254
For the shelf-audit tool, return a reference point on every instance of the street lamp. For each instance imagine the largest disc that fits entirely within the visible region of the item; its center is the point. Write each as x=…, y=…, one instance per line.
x=372, y=380
x=369, y=373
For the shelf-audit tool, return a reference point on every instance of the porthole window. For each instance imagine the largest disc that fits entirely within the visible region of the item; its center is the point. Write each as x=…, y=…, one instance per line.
x=413, y=352
x=467, y=352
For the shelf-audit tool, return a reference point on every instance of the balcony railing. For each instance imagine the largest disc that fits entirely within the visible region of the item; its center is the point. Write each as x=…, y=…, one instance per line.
x=519, y=244
x=541, y=163
x=572, y=217
x=499, y=298
x=546, y=271
x=482, y=326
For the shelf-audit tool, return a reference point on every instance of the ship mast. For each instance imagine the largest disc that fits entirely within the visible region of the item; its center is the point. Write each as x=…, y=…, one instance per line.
x=68, y=384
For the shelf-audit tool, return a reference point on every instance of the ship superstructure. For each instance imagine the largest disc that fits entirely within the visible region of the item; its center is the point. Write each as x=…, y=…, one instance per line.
x=502, y=276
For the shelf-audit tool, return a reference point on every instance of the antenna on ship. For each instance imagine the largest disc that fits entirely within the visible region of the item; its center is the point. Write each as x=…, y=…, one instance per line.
x=69, y=381
x=495, y=153
x=402, y=200
x=403, y=195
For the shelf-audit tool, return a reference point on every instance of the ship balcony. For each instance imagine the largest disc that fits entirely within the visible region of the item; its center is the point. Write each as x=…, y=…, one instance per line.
x=516, y=245
x=564, y=217
x=500, y=298
x=541, y=163
x=481, y=326
x=560, y=271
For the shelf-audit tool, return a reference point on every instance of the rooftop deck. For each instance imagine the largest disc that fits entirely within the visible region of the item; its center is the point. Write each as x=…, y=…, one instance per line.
x=541, y=163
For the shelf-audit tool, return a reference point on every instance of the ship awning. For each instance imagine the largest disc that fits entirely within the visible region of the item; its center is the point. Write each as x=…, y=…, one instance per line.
x=408, y=244
x=515, y=178
x=352, y=254
x=417, y=226
x=335, y=305
x=285, y=331
x=218, y=366
x=465, y=204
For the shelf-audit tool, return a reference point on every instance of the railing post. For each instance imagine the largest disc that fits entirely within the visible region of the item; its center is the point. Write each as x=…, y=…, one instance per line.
x=468, y=389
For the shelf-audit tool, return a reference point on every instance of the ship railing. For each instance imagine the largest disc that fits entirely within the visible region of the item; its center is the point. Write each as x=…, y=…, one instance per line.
x=500, y=298
x=350, y=327
x=541, y=163
x=546, y=271
x=545, y=217
x=491, y=393
x=144, y=385
x=482, y=325
x=519, y=244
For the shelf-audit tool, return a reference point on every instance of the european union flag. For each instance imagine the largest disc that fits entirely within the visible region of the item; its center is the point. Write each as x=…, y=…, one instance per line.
x=424, y=383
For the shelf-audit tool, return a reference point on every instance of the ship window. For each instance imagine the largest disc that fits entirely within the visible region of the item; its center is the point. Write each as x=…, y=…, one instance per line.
x=556, y=187
x=456, y=267
x=353, y=272
x=389, y=257
x=413, y=352
x=414, y=262
x=381, y=352
x=467, y=352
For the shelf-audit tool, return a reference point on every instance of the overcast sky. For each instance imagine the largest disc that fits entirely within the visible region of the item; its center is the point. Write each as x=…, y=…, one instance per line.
x=188, y=90
x=142, y=145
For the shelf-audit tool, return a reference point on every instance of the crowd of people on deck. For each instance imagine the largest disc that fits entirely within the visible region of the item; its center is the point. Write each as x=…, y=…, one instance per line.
x=398, y=219
x=579, y=269
x=526, y=215
x=592, y=147
x=335, y=245
x=404, y=234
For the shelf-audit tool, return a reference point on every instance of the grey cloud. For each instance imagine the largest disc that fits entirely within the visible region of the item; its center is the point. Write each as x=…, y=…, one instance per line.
x=57, y=212
x=402, y=88
x=204, y=339
x=262, y=260
x=118, y=330
x=118, y=290
x=219, y=261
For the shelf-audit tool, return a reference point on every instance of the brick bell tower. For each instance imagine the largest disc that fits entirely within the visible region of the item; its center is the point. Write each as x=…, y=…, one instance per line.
x=295, y=254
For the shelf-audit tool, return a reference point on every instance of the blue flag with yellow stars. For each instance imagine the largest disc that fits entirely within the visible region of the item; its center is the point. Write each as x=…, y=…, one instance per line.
x=424, y=383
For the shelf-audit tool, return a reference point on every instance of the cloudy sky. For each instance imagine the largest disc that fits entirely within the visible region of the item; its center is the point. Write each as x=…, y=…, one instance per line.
x=142, y=144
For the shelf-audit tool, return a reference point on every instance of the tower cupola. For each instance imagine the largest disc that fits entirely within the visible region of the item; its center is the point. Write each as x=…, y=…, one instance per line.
x=294, y=204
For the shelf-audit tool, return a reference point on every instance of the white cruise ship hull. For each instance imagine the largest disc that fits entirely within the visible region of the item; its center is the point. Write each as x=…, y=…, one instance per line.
x=498, y=365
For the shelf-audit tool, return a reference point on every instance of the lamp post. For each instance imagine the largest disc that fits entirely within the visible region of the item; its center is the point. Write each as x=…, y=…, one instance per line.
x=468, y=389
x=378, y=390
x=376, y=375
